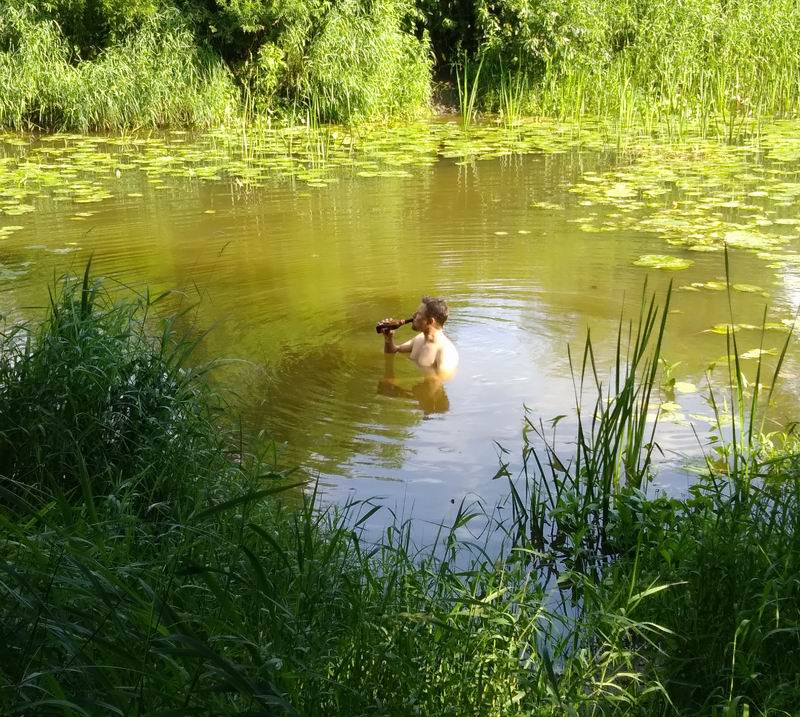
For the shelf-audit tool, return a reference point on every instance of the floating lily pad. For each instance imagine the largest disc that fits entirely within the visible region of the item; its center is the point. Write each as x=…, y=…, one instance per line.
x=723, y=329
x=758, y=353
x=621, y=190
x=663, y=261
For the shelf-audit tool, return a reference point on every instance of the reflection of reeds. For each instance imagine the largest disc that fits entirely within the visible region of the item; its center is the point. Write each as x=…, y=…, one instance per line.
x=141, y=562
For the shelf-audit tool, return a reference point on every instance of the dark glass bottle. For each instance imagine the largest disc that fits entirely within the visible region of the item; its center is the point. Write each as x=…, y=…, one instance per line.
x=391, y=324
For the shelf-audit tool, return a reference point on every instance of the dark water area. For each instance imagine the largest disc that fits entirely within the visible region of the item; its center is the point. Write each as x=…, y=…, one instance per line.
x=285, y=272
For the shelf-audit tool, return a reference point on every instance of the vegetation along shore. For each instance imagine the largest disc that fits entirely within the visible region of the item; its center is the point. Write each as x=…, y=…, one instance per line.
x=121, y=64
x=150, y=565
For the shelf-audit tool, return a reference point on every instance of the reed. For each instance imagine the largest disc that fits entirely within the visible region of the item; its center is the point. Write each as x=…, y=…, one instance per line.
x=513, y=89
x=468, y=85
x=154, y=78
x=710, y=64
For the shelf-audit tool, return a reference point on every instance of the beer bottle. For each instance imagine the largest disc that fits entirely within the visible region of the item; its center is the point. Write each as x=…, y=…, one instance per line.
x=391, y=324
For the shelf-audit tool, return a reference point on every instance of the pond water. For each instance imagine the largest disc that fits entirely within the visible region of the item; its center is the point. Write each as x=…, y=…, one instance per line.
x=288, y=250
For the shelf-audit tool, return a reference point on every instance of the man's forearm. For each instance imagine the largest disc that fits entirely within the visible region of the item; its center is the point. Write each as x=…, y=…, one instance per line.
x=389, y=346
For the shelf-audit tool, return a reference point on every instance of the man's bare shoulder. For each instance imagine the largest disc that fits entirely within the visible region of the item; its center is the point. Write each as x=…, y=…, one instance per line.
x=448, y=355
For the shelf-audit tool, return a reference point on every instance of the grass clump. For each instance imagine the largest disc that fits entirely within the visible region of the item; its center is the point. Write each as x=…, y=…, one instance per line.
x=155, y=76
x=710, y=63
x=580, y=596
x=93, y=407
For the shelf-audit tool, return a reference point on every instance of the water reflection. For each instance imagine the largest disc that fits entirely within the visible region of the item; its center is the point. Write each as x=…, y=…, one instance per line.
x=429, y=393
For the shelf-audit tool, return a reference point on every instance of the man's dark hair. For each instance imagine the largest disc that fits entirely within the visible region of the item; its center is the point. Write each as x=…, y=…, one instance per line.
x=435, y=308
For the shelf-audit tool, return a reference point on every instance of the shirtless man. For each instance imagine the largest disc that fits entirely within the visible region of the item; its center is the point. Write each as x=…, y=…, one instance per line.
x=431, y=350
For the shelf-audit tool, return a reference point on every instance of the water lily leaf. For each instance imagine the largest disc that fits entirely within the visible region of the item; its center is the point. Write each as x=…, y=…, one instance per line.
x=621, y=190
x=663, y=261
x=723, y=329
x=670, y=407
x=747, y=288
x=748, y=240
x=758, y=353
x=685, y=387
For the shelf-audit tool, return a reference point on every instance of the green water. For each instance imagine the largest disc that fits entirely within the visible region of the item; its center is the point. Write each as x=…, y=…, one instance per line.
x=288, y=250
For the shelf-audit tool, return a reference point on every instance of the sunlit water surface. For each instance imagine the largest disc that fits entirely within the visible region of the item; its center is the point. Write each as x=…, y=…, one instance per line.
x=289, y=279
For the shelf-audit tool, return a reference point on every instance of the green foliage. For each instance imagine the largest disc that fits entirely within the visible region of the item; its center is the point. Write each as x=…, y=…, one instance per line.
x=468, y=84
x=706, y=61
x=636, y=62
x=348, y=60
x=154, y=77
x=81, y=64
x=364, y=66
x=91, y=25
x=89, y=404
x=731, y=547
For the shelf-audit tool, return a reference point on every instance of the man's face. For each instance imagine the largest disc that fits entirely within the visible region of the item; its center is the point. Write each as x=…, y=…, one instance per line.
x=420, y=318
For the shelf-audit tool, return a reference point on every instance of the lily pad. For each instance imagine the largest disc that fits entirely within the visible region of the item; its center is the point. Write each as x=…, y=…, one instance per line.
x=621, y=190
x=758, y=353
x=663, y=261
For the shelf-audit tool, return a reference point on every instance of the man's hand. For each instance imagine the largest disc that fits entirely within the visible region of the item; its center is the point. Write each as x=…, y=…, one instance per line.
x=388, y=340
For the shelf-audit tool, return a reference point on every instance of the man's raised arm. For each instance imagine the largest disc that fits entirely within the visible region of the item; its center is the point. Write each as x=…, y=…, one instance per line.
x=390, y=347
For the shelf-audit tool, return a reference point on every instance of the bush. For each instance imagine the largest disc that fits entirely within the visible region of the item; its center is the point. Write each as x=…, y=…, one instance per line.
x=154, y=77
x=91, y=407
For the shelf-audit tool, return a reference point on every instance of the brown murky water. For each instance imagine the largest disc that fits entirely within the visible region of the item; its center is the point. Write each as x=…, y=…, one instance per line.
x=290, y=278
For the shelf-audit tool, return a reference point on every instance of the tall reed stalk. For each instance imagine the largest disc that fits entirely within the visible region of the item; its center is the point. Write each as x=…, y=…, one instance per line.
x=468, y=85
x=513, y=89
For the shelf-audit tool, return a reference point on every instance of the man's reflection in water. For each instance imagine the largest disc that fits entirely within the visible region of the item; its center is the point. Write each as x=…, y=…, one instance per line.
x=429, y=392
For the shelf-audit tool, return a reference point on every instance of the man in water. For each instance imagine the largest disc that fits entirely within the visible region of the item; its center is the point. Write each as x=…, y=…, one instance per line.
x=430, y=349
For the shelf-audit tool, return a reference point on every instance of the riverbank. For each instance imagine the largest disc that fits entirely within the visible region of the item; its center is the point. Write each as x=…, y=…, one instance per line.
x=85, y=66
x=150, y=562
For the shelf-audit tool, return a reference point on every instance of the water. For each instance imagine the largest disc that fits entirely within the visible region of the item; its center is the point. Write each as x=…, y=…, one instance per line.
x=288, y=280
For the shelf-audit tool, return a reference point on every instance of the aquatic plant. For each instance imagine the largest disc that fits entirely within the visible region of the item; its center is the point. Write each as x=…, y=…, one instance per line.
x=468, y=85
x=513, y=89
x=92, y=405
